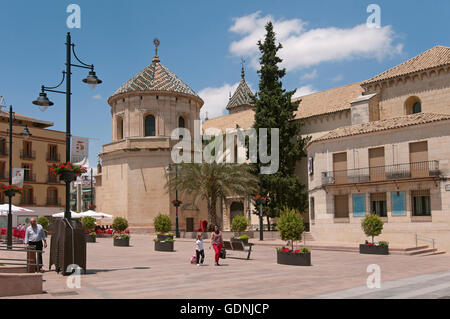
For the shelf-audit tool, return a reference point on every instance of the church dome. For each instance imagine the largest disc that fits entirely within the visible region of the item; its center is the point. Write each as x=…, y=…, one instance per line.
x=155, y=78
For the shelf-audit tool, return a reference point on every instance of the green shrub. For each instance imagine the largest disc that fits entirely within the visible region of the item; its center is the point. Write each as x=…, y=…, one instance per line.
x=119, y=224
x=290, y=225
x=383, y=243
x=244, y=237
x=93, y=234
x=121, y=236
x=44, y=222
x=372, y=226
x=170, y=234
x=162, y=223
x=239, y=224
x=304, y=250
x=88, y=222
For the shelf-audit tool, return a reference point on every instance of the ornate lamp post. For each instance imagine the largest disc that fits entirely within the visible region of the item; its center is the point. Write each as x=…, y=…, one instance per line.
x=176, y=203
x=44, y=102
x=26, y=134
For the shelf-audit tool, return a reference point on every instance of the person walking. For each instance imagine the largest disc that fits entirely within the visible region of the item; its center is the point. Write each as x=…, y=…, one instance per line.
x=34, y=236
x=199, y=251
x=217, y=243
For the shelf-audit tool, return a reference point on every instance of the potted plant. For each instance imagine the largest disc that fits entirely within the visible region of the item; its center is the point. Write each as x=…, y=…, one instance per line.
x=89, y=225
x=290, y=225
x=164, y=240
x=10, y=190
x=372, y=226
x=177, y=203
x=238, y=225
x=121, y=239
x=67, y=172
x=92, y=207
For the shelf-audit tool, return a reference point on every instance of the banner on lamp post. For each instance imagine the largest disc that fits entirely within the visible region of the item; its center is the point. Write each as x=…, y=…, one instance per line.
x=80, y=149
x=17, y=177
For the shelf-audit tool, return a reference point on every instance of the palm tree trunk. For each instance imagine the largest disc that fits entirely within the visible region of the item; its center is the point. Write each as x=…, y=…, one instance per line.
x=212, y=214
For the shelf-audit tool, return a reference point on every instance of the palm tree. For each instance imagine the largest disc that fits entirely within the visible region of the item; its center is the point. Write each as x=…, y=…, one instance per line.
x=212, y=181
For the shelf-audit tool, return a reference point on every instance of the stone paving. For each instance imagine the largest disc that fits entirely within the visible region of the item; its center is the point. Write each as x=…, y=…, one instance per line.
x=140, y=272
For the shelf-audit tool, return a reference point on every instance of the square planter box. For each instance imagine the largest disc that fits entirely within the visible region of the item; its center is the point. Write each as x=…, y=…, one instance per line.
x=373, y=249
x=163, y=246
x=90, y=239
x=293, y=259
x=122, y=242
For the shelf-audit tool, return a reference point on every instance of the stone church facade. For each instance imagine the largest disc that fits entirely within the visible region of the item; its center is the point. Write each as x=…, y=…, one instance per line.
x=406, y=104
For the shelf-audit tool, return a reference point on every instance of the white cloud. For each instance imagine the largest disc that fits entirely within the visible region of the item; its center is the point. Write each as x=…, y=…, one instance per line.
x=216, y=99
x=309, y=76
x=304, y=90
x=304, y=48
x=338, y=78
x=97, y=97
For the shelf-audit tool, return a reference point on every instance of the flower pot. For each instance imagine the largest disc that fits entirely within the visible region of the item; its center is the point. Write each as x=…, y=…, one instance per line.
x=10, y=193
x=293, y=259
x=122, y=242
x=68, y=176
x=90, y=239
x=163, y=237
x=163, y=246
x=373, y=249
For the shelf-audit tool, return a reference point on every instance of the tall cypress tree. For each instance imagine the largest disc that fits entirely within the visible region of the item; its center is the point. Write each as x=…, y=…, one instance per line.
x=274, y=109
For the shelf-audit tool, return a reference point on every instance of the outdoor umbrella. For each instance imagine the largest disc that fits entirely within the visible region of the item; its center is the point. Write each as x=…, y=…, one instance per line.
x=96, y=215
x=4, y=208
x=73, y=215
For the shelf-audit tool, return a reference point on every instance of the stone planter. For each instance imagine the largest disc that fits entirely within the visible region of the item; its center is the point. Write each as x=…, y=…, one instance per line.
x=373, y=249
x=90, y=239
x=163, y=246
x=163, y=237
x=68, y=176
x=293, y=259
x=122, y=242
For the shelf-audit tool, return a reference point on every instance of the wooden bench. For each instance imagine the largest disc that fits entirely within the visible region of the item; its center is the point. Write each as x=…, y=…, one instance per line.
x=237, y=246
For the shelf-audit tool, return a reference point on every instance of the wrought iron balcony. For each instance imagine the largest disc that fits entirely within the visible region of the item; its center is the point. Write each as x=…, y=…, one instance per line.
x=52, y=157
x=28, y=177
x=24, y=154
x=382, y=173
x=52, y=179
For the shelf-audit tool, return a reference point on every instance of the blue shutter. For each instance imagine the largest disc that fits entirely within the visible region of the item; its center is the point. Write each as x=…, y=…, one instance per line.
x=398, y=203
x=359, y=204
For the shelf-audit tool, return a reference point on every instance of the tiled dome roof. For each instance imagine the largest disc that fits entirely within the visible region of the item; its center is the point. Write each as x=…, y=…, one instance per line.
x=242, y=96
x=155, y=77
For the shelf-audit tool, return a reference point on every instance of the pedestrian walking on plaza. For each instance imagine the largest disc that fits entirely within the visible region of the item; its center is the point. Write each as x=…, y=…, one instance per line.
x=34, y=236
x=199, y=251
x=217, y=243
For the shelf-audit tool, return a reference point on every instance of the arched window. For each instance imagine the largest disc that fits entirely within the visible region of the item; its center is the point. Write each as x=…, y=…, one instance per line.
x=52, y=196
x=417, y=108
x=150, y=126
x=181, y=122
x=119, y=121
x=413, y=105
x=27, y=196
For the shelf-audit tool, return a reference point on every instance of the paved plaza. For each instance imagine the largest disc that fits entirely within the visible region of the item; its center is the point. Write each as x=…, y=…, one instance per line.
x=140, y=272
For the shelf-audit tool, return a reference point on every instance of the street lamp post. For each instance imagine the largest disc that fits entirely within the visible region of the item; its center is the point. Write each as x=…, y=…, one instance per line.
x=261, y=232
x=44, y=102
x=26, y=134
x=177, y=229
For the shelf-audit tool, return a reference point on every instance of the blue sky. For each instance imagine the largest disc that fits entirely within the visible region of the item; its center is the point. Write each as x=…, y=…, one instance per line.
x=325, y=45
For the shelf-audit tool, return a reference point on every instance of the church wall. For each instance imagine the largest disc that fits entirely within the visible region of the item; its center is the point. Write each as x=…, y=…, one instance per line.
x=432, y=88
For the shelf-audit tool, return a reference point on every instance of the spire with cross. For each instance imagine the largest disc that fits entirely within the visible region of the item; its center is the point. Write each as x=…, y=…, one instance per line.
x=242, y=69
x=156, y=43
